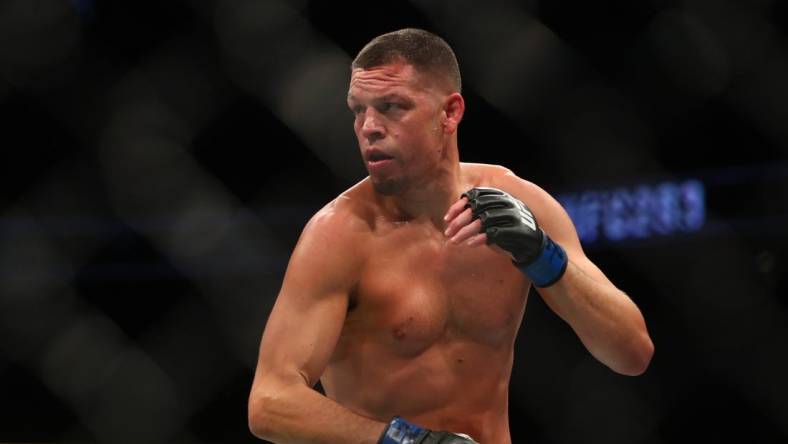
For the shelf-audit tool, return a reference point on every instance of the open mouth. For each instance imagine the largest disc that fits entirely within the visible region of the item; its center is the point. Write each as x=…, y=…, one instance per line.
x=377, y=156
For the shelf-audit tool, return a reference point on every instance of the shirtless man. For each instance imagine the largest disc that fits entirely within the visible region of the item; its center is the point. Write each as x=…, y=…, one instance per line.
x=404, y=299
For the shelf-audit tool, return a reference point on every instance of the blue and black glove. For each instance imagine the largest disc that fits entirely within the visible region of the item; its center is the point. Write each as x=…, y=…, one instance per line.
x=509, y=224
x=400, y=431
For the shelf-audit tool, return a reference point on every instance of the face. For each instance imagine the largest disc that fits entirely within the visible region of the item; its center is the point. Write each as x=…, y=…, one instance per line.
x=397, y=120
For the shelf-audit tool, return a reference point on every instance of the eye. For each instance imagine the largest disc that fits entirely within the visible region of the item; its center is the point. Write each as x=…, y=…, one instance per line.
x=388, y=106
x=358, y=109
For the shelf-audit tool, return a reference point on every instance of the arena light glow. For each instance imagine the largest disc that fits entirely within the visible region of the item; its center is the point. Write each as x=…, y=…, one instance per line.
x=638, y=211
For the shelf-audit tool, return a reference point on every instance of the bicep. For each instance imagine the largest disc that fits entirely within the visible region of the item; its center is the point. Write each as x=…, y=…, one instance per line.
x=300, y=336
x=306, y=321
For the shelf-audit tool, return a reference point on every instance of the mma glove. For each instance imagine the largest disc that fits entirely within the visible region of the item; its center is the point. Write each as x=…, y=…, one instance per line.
x=510, y=225
x=400, y=431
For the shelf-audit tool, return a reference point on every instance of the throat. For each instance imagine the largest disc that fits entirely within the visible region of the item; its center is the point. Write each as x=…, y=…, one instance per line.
x=430, y=202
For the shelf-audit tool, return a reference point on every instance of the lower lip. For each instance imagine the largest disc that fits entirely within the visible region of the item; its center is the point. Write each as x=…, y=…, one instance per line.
x=377, y=164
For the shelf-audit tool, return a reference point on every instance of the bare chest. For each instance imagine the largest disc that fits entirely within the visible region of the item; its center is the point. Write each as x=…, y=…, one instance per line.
x=417, y=289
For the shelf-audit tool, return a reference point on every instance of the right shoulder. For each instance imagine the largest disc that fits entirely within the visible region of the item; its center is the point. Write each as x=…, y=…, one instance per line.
x=340, y=229
x=347, y=216
x=332, y=248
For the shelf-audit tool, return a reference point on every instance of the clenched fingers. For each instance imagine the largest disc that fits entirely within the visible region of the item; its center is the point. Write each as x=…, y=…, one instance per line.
x=456, y=209
x=469, y=232
x=460, y=220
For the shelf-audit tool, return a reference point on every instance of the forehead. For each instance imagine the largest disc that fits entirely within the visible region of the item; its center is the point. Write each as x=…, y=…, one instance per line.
x=397, y=76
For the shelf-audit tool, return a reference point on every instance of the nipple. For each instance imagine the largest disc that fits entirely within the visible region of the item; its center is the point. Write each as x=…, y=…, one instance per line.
x=400, y=332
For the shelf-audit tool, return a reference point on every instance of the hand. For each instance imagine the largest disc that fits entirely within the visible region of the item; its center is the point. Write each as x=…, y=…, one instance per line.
x=498, y=218
x=461, y=226
x=400, y=431
x=506, y=222
x=488, y=215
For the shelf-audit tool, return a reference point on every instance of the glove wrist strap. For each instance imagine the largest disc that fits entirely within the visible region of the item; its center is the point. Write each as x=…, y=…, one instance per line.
x=400, y=431
x=548, y=267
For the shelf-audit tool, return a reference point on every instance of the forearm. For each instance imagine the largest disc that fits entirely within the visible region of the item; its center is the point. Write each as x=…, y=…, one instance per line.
x=604, y=318
x=297, y=414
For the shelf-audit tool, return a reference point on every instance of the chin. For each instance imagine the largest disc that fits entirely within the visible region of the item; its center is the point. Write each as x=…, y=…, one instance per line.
x=388, y=187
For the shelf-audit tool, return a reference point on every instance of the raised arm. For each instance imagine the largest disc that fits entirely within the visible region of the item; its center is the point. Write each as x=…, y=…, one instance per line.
x=300, y=337
x=605, y=319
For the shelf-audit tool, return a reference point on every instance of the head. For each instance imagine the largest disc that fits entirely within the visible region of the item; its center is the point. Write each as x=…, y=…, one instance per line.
x=405, y=97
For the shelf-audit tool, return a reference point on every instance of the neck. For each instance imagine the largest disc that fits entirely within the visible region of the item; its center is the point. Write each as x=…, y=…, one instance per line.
x=431, y=198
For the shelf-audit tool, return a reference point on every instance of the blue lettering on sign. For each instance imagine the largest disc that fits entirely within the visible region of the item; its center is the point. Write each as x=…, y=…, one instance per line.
x=638, y=212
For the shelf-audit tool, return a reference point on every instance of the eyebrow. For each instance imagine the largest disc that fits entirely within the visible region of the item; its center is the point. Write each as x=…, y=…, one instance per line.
x=392, y=96
x=389, y=96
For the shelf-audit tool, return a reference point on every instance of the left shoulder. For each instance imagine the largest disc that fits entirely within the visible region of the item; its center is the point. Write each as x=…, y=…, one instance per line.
x=549, y=213
x=483, y=168
x=487, y=175
x=497, y=176
x=530, y=193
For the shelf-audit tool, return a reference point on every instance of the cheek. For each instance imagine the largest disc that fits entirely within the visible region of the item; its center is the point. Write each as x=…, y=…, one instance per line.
x=357, y=132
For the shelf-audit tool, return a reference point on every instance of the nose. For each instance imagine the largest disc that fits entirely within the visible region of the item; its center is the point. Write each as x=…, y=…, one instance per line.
x=371, y=127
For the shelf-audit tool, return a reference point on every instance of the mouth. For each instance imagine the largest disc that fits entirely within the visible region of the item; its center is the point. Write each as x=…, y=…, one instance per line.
x=375, y=156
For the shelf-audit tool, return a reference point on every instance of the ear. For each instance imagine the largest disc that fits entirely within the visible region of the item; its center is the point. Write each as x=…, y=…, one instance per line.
x=453, y=109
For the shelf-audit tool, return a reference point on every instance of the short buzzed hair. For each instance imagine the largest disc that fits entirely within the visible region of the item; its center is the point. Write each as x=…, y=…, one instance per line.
x=427, y=52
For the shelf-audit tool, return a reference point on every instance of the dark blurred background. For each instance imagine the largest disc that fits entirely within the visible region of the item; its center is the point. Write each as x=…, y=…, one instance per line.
x=160, y=158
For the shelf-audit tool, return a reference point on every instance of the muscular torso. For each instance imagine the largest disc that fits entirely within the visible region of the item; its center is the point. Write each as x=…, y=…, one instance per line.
x=429, y=332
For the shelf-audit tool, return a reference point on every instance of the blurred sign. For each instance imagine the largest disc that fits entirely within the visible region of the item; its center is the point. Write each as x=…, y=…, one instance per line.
x=637, y=212
x=748, y=200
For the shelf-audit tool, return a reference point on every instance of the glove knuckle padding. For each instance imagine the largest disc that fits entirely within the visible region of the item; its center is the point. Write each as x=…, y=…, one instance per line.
x=510, y=224
x=478, y=198
x=483, y=203
x=481, y=191
x=507, y=222
x=499, y=217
